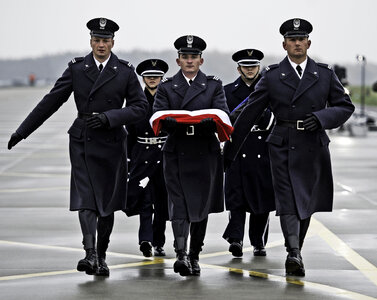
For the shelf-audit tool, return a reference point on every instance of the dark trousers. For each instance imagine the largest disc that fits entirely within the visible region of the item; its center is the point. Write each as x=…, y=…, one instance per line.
x=294, y=230
x=152, y=219
x=181, y=230
x=91, y=224
x=258, y=227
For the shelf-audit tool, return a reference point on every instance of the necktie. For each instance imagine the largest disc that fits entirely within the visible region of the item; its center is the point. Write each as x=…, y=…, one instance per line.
x=190, y=82
x=299, y=70
x=100, y=67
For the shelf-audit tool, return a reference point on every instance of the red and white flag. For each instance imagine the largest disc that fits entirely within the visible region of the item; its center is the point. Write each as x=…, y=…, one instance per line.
x=223, y=124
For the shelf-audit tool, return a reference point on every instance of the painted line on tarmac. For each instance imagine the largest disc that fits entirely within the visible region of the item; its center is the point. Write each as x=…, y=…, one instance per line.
x=354, y=192
x=359, y=262
x=292, y=280
x=31, y=245
x=30, y=190
x=153, y=261
x=33, y=175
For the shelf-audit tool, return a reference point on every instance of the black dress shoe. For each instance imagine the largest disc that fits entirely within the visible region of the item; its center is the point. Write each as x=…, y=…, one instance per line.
x=259, y=251
x=146, y=248
x=182, y=265
x=294, y=265
x=103, y=269
x=195, y=268
x=236, y=248
x=159, y=251
x=89, y=263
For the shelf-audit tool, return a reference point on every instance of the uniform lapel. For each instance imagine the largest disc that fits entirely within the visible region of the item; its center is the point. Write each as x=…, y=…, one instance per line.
x=179, y=84
x=107, y=73
x=288, y=76
x=310, y=77
x=90, y=68
x=199, y=85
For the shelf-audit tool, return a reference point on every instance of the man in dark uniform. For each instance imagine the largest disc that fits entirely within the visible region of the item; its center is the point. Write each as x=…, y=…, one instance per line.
x=100, y=83
x=192, y=158
x=146, y=193
x=248, y=182
x=306, y=98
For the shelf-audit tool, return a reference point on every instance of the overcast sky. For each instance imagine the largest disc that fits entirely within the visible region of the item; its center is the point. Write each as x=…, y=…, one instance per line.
x=342, y=28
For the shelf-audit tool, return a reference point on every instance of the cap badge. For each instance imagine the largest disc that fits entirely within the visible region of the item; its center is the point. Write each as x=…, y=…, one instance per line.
x=154, y=63
x=190, y=40
x=102, y=23
x=250, y=53
x=296, y=24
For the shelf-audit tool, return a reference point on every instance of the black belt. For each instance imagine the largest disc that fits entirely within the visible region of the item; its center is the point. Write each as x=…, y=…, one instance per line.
x=85, y=116
x=296, y=124
x=184, y=129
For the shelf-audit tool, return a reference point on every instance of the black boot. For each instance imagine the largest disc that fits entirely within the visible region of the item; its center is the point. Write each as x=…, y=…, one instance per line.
x=259, y=251
x=194, y=261
x=159, y=251
x=294, y=264
x=89, y=263
x=103, y=269
x=102, y=245
x=236, y=248
x=182, y=264
x=146, y=248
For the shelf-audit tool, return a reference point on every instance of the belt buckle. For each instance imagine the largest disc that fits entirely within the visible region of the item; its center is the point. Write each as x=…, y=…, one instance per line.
x=299, y=125
x=153, y=141
x=190, y=130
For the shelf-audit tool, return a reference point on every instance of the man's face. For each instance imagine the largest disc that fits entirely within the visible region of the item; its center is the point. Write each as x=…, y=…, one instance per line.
x=101, y=47
x=189, y=63
x=296, y=47
x=152, y=81
x=248, y=72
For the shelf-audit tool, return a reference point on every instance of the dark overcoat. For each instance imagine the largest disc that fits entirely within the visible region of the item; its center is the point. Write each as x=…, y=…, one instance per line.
x=193, y=167
x=98, y=156
x=248, y=181
x=145, y=161
x=300, y=159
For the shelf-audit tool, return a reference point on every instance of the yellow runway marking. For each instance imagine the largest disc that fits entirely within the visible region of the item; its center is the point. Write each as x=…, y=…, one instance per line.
x=275, y=278
x=368, y=269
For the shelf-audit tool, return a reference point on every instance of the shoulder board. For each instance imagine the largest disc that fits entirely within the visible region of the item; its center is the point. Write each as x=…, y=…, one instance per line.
x=324, y=66
x=270, y=67
x=214, y=77
x=127, y=63
x=75, y=60
x=166, y=79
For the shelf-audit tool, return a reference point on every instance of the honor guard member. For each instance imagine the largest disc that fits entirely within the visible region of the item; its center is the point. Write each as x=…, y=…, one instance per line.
x=146, y=193
x=306, y=98
x=192, y=159
x=100, y=83
x=248, y=182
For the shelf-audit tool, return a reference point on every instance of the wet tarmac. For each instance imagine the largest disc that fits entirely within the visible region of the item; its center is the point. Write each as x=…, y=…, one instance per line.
x=40, y=240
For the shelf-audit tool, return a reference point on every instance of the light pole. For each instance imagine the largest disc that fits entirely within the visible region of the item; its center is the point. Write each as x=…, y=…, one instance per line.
x=362, y=59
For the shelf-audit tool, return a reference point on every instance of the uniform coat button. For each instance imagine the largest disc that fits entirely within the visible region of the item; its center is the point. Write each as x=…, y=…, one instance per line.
x=109, y=100
x=258, y=155
x=244, y=155
x=293, y=147
x=88, y=139
x=259, y=137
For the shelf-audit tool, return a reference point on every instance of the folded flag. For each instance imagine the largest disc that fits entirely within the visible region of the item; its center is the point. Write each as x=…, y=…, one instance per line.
x=223, y=124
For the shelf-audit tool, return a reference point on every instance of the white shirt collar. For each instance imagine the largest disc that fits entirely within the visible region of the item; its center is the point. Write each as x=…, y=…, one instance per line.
x=103, y=63
x=188, y=79
x=302, y=65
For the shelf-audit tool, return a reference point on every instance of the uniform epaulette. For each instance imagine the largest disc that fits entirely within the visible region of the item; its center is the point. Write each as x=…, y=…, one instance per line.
x=75, y=60
x=166, y=79
x=214, y=77
x=127, y=63
x=270, y=67
x=325, y=66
